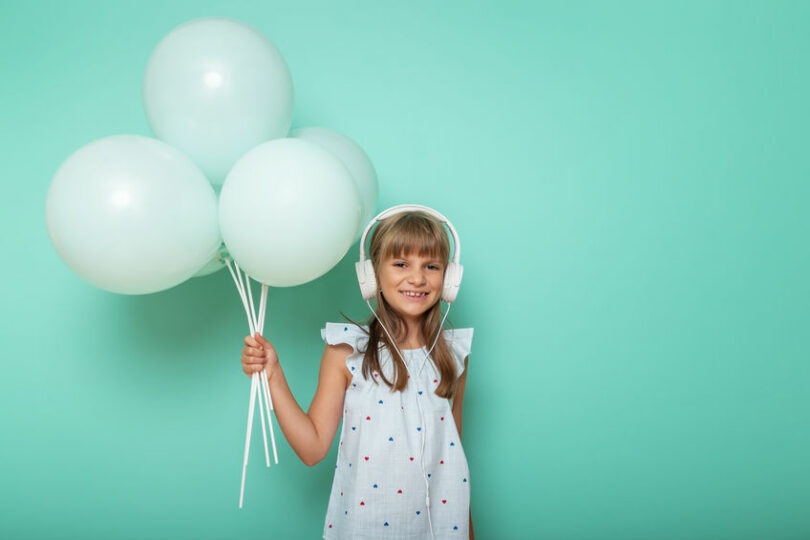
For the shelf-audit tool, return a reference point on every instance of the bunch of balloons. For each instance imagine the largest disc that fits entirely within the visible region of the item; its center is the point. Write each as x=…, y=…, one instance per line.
x=137, y=215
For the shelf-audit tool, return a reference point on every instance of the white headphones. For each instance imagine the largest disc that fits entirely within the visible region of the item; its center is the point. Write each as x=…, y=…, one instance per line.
x=365, y=268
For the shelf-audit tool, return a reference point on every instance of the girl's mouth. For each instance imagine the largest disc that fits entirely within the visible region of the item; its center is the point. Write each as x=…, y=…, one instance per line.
x=414, y=296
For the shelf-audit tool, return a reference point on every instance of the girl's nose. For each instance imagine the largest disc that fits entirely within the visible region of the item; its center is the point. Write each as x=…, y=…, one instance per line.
x=417, y=276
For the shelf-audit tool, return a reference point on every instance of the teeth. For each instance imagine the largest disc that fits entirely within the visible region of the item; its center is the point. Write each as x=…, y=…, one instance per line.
x=406, y=293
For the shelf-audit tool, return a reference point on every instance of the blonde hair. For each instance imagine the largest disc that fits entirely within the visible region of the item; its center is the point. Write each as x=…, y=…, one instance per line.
x=398, y=235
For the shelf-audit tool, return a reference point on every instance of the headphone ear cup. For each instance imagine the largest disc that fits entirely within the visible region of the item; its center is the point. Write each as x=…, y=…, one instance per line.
x=366, y=279
x=452, y=281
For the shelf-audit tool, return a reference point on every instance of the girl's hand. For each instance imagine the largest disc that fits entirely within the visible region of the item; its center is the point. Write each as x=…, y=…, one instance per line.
x=258, y=354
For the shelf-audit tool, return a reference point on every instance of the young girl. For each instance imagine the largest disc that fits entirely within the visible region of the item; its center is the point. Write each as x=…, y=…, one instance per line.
x=401, y=470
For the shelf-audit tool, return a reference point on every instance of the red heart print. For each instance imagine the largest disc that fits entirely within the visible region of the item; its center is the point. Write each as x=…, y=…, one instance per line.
x=442, y=418
x=362, y=503
x=435, y=380
x=366, y=458
x=444, y=501
x=399, y=491
x=341, y=494
x=368, y=418
x=441, y=462
x=411, y=459
x=330, y=525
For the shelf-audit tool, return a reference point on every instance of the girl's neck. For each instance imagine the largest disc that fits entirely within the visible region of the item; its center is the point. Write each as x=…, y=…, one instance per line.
x=413, y=338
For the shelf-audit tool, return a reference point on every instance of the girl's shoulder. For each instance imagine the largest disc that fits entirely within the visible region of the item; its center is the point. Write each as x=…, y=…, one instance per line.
x=460, y=342
x=348, y=333
x=461, y=336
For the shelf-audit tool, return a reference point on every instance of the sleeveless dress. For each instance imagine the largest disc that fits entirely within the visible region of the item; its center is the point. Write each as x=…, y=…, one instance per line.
x=382, y=472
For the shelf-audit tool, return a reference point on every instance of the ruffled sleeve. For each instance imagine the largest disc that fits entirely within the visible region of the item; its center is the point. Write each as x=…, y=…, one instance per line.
x=460, y=342
x=334, y=333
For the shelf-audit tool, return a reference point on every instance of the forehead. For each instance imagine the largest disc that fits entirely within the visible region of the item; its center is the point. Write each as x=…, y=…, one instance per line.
x=415, y=256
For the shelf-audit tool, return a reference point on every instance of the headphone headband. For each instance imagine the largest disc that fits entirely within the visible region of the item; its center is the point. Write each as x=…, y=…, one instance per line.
x=406, y=208
x=365, y=268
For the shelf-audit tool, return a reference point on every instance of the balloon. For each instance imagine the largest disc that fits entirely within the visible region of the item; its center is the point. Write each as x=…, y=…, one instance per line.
x=215, y=88
x=132, y=215
x=288, y=212
x=355, y=159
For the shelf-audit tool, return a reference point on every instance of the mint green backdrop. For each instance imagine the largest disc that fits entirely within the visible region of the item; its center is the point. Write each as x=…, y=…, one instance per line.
x=630, y=181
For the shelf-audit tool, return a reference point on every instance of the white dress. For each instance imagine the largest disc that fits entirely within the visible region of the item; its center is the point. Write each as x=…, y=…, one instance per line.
x=379, y=490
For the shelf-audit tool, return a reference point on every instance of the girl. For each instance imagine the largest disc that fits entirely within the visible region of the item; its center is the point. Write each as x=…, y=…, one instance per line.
x=401, y=471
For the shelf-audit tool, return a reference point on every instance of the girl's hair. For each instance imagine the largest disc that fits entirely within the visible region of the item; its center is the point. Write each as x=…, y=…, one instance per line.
x=398, y=235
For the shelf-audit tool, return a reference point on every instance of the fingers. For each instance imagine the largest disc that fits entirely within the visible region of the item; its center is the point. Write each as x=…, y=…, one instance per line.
x=251, y=367
x=249, y=340
x=255, y=354
x=252, y=351
x=257, y=341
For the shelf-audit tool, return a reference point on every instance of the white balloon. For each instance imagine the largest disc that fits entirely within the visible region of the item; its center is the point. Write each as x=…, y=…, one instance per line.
x=354, y=158
x=215, y=88
x=288, y=212
x=132, y=215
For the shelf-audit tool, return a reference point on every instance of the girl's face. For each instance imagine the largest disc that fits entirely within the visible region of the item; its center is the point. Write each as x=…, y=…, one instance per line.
x=411, y=283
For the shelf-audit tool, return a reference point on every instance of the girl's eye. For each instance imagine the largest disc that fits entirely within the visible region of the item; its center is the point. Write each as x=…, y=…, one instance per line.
x=433, y=267
x=399, y=264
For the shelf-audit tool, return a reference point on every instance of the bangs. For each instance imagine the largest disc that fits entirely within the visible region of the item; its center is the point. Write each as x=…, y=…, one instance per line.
x=415, y=232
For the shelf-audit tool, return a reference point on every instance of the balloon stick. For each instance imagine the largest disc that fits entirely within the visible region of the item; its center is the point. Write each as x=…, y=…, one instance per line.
x=262, y=402
x=250, y=315
x=241, y=292
x=260, y=387
x=269, y=404
x=247, y=439
x=268, y=399
x=250, y=301
x=263, y=306
x=261, y=394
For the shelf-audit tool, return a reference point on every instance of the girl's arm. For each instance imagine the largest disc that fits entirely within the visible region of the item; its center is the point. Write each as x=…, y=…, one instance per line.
x=309, y=433
x=458, y=405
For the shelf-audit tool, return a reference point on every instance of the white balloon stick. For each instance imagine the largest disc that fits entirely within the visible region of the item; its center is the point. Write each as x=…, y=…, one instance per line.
x=262, y=311
x=252, y=305
x=256, y=383
x=268, y=403
x=247, y=438
x=262, y=393
x=262, y=401
x=260, y=386
x=266, y=386
x=270, y=398
x=263, y=307
x=241, y=292
x=249, y=310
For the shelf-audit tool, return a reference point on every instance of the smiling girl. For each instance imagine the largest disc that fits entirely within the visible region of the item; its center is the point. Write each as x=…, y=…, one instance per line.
x=397, y=384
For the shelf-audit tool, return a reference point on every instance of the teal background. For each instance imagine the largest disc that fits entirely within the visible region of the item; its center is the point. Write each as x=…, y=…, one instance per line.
x=630, y=181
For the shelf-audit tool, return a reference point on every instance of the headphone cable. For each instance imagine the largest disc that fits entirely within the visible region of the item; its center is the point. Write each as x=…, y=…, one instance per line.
x=418, y=405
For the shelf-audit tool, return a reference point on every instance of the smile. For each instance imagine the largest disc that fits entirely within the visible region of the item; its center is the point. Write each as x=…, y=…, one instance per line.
x=414, y=296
